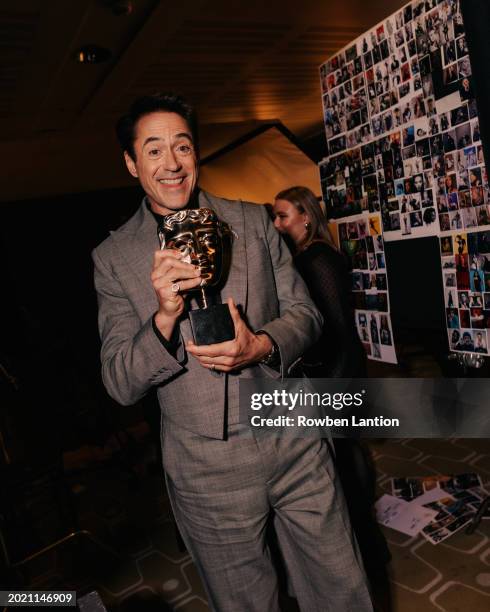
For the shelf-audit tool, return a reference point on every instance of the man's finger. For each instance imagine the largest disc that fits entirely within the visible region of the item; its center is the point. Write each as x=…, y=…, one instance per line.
x=212, y=350
x=159, y=256
x=168, y=284
x=187, y=285
x=234, y=312
x=172, y=272
x=174, y=264
x=221, y=364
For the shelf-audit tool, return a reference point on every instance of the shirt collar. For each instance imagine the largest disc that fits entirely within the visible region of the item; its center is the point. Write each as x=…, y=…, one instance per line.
x=193, y=203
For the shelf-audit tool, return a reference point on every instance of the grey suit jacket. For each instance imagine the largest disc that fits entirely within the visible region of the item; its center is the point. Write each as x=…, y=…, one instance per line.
x=262, y=280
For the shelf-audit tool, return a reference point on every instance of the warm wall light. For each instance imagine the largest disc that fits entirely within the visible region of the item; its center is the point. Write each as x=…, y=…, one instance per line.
x=92, y=54
x=122, y=7
x=119, y=7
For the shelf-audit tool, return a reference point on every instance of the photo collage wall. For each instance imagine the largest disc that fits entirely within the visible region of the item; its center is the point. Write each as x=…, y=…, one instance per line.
x=361, y=241
x=466, y=280
x=402, y=129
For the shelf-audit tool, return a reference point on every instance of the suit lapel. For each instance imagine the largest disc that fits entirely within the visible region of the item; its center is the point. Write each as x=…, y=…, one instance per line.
x=232, y=213
x=137, y=245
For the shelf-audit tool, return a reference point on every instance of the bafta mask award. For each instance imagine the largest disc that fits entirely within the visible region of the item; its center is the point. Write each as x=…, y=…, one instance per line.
x=205, y=241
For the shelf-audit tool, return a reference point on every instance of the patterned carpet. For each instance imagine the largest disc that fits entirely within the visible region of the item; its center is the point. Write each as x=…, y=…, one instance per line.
x=123, y=503
x=454, y=575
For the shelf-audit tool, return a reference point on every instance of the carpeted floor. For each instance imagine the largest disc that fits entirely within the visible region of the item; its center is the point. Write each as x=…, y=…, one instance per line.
x=452, y=576
x=128, y=511
x=136, y=564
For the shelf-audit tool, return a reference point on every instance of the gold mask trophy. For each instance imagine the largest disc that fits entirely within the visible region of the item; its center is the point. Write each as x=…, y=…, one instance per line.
x=205, y=241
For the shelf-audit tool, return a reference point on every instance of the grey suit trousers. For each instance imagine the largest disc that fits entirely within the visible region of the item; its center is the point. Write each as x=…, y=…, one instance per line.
x=222, y=492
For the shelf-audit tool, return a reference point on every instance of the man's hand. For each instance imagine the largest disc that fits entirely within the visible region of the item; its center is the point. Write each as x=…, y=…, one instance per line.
x=171, y=277
x=245, y=349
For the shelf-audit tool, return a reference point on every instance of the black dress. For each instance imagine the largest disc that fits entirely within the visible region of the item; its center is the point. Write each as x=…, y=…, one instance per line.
x=339, y=352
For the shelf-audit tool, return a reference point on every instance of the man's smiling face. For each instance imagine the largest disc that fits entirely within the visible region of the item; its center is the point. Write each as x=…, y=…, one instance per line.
x=165, y=161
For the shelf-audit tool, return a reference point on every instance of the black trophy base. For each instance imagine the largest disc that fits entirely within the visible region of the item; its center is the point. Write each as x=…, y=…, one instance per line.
x=212, y=324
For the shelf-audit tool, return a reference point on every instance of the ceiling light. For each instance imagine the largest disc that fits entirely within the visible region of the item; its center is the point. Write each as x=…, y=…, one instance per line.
x=92, y=54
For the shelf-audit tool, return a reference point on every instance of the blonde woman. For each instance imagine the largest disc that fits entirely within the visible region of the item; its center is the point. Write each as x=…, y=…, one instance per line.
x=339, y=352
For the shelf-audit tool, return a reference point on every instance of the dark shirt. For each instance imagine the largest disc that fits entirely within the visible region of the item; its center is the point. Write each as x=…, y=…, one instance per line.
x=339, y=352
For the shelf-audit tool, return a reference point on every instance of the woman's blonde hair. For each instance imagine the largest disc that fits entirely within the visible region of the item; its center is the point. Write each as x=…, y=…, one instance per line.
x=305, y=201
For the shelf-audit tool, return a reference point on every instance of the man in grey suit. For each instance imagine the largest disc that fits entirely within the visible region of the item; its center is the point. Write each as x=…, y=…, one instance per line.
x=223, y=486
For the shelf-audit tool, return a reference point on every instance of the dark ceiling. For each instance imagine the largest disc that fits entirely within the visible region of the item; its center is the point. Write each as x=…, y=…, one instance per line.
x=239, y=62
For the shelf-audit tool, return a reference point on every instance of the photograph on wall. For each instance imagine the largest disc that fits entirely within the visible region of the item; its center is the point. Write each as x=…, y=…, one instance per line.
x=465, y=259
x=361, y=242
x=402, y=126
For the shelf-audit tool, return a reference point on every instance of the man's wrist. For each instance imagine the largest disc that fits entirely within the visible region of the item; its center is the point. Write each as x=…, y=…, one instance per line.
x=271, y=357
x=166, y=332
x=165, y=324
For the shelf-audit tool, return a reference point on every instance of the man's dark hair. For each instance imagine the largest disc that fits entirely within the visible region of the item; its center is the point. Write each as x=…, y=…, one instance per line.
x=154, y=103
